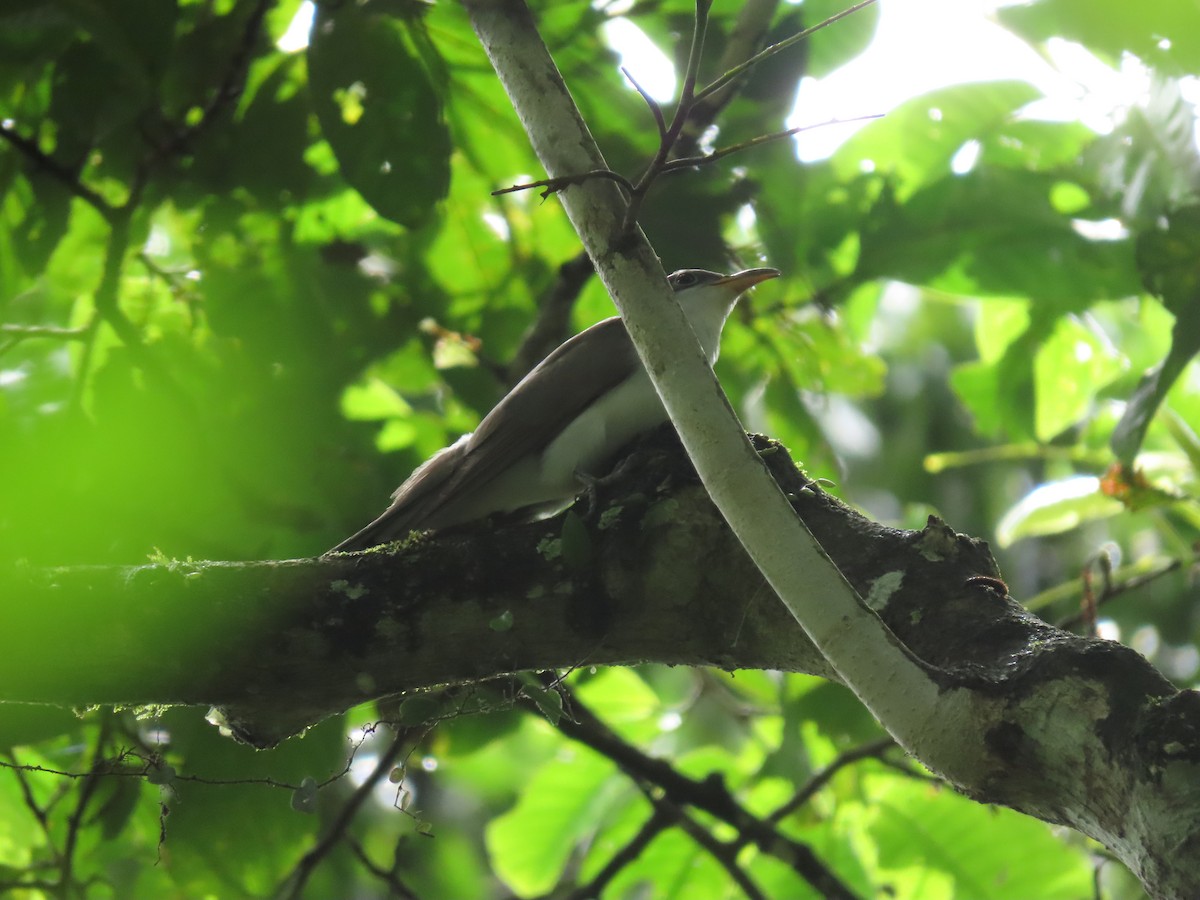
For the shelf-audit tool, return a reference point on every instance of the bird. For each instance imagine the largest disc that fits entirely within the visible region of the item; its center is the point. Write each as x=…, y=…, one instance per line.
x=557, y=427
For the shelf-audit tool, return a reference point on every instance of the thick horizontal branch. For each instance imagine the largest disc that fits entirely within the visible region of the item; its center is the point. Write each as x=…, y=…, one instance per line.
x=1074, y=731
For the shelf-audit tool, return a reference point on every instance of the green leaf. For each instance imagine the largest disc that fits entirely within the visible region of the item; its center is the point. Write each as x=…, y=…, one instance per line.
x=563, y=802
x=835, y=45
x=673, y=867
x=117, y=799
x=999, y=323
x=1112, y=27
x=1166, y=259
x=1072, y=365
x=548, y=701
x=915, y=143
x=259, y=834
x=373, y=400
x=137, y=35
x=988, y=853
x=379, y=111
x=619, y=696
x=1185, y=437
x=993, y=231
x=1056, y=507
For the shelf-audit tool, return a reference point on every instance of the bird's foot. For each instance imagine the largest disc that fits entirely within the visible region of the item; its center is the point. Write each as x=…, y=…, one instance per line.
x=591, y=484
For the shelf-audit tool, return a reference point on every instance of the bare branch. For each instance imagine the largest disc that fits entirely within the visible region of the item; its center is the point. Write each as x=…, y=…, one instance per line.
x=693, y=162
x=682, y=110
x=226, y=93
x=388, y=876
x=849, y=757
x=725, y=853
x=295, y=882
x=749, y=29
x=709, y=795
x=64, y=175
x=86, y=789
x=554, y=185
x=776, y=48
x=11, y=335
x=655, y=108
x=660, y=820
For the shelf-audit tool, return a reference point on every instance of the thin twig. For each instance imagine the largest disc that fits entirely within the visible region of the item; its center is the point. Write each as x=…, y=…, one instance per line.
x=682, y=110
x=1114, y=588
x=295, y=882
x=669, y=135
x=723, y=852
x=849, y=757
x=229, y=90
x=658, y=822
x=692, y=162
x=21, y=332
x=750, y=28
x=709, y=795
x=12, y=335
x=86, y=790
x=655, y=108
x=388, y=876
x=553, y=322
x=108, y=292
x=69, y=179
x=736, y=71
x=554, y=185
x=43, y=818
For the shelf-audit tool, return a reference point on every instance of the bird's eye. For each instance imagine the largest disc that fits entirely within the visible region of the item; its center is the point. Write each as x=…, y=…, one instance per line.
x=682, y=279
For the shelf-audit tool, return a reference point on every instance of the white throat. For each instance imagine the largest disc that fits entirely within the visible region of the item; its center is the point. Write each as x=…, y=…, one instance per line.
x=707, y=308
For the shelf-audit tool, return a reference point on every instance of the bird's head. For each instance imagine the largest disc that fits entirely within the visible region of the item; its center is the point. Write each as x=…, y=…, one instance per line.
x=707, y=299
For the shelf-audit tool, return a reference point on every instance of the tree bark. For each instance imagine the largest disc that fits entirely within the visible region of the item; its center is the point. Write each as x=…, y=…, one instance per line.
x=1077, y=732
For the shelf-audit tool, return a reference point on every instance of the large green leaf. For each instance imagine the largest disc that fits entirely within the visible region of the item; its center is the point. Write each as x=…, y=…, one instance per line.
x=531, y=843
x=915, y=143
x=994, y=232
x=1056, y=507
x=379, y=110
x=987, y=853
x=1163, y=33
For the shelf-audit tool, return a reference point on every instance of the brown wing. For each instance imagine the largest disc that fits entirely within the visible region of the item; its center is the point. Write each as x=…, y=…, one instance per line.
x=551, y=396
x=544, y=402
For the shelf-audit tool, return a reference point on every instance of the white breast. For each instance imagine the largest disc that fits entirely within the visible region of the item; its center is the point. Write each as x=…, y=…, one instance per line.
x=604, y=428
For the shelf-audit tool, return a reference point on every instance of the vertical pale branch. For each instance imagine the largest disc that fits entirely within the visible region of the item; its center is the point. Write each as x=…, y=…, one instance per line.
x=867, y=656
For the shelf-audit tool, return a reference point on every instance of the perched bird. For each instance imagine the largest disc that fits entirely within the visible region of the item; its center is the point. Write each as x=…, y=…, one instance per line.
x=560, y=424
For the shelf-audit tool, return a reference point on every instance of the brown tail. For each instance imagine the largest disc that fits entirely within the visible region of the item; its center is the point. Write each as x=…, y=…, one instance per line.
x=414, y=505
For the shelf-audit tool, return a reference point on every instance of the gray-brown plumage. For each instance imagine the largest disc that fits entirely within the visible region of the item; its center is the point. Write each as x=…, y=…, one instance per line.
x=564, y=419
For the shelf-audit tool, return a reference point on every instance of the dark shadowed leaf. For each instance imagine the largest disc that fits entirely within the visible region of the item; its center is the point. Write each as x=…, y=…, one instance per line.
x=379, y=111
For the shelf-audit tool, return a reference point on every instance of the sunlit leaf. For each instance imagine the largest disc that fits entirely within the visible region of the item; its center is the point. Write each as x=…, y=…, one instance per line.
x=1056, y=507
x=988, y=853
x=1111, y=27
x=1070, y=368
x=915, y=143
x=531, y=842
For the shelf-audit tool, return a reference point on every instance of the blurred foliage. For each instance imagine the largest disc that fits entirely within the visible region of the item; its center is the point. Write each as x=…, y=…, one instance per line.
x=244, y=289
